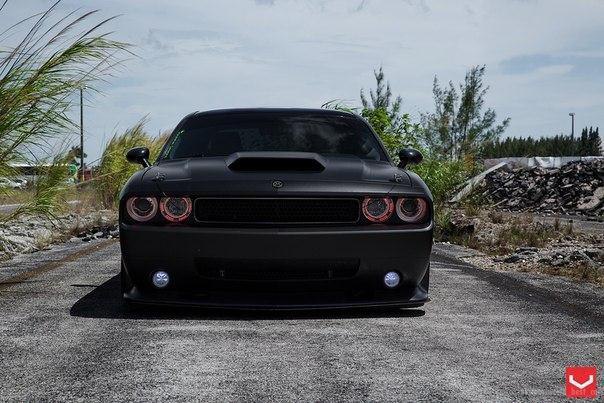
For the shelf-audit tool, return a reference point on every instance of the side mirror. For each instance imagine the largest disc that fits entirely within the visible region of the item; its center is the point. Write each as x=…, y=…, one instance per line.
x=409, y=156
x=139, y=155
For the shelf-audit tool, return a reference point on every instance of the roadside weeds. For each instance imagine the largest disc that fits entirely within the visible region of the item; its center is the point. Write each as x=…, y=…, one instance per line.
x=524, y=243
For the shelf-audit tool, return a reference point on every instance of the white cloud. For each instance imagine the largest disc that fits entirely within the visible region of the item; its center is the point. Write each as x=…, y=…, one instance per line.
x=554, y=70
x=197, y=55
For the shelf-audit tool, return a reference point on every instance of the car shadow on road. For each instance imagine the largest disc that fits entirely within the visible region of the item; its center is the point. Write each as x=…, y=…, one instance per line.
x=105, y=302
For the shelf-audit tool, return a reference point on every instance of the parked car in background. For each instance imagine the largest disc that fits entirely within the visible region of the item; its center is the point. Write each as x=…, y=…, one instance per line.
x=7, y=183
x=22, y=182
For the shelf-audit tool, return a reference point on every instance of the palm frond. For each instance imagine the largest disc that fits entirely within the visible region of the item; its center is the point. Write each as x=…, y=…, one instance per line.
x=38, y=78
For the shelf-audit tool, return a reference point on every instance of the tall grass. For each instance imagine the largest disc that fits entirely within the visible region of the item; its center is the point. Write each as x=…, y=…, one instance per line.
x=39, y=75
x=49, y=190
x=114, y=169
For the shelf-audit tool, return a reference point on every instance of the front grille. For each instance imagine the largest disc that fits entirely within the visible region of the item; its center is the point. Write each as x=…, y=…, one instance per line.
x=276, y=210
x=276, y=270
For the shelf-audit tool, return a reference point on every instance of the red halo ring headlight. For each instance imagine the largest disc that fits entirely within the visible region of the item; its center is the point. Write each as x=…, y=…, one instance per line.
x=141, y=209
x=175, y=209
x=411, y=209
x=377, y=209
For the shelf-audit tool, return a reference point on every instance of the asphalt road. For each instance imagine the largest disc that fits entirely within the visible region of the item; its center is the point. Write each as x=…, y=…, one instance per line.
x=65, y=335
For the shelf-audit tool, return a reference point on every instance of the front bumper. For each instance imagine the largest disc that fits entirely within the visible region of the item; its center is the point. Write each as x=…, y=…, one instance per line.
x=295, y=264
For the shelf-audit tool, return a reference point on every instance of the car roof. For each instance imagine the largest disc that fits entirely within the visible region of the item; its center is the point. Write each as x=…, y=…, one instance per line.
x=292, y=111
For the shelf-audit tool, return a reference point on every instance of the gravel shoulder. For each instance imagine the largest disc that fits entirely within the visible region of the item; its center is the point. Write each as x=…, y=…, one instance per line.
x=28, y=234
x=580, y=224
x=555, y=246
x=486, y=336
x=573, y=295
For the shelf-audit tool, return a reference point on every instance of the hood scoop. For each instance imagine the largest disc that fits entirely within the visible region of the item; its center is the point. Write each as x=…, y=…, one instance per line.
x=275, y=161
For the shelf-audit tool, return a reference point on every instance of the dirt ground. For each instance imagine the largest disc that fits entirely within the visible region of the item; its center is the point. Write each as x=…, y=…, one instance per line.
x=567, y=246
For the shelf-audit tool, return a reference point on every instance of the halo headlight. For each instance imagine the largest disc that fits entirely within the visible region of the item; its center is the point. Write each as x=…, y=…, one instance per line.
x=141, y=209
x=175, y=209
x=411, y=209
x=378, y=209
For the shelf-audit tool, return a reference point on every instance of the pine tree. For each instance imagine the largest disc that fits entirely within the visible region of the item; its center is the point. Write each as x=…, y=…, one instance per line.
x=595, y=142
x=560, y=145
x=384, y=114
x=460, y=126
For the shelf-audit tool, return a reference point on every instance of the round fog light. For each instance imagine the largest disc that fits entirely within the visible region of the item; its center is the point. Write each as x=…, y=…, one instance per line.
x=160, y=279
x=391, y=279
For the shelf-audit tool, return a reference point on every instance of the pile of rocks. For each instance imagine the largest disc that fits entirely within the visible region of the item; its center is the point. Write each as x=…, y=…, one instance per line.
x=30, y=233
x=575, y=188
x=556, y=255
x=98, y=232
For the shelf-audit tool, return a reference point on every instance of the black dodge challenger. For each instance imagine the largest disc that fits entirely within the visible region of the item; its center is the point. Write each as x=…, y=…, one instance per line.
x=277, y=209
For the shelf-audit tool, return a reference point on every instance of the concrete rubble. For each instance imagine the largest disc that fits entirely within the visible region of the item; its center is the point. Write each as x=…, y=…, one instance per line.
x=558, y=254
x=575, y=188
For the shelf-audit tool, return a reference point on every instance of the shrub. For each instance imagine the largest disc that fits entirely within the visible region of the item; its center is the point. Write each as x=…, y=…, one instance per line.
x=522, y=231
x=496, y=217
x=114, y=169
x=442, y=176
x=443, y=226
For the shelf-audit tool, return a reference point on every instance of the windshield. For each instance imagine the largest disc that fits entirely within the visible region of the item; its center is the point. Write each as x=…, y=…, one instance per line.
x=222, y=135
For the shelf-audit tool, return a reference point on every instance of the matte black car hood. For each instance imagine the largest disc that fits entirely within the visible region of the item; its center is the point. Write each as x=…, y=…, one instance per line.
x=228, y=176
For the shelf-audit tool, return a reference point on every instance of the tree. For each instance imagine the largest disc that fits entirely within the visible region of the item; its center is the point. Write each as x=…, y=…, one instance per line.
x=384, y=114
x=458, y=126
x=561, y=145
x=594, y=141
x=382, y=98
x=74, y=154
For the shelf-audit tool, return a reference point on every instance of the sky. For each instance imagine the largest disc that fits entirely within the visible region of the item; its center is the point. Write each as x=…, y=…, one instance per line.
x=544, y=58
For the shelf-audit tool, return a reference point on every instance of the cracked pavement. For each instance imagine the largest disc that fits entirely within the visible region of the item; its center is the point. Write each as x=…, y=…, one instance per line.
x=486, y=336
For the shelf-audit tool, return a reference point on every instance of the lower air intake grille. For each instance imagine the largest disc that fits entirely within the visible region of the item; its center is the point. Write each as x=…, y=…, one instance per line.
x=276, y=270
x=271, y=211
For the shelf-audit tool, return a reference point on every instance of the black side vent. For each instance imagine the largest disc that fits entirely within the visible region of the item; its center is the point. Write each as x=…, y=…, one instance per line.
x=302, y=162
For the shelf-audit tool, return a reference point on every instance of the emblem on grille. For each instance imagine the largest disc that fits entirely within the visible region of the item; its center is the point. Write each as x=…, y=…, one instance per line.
x=277, y=184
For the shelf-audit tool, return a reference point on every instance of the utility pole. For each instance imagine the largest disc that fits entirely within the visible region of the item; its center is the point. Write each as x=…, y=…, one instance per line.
x=81, y=134
x=572, y=127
